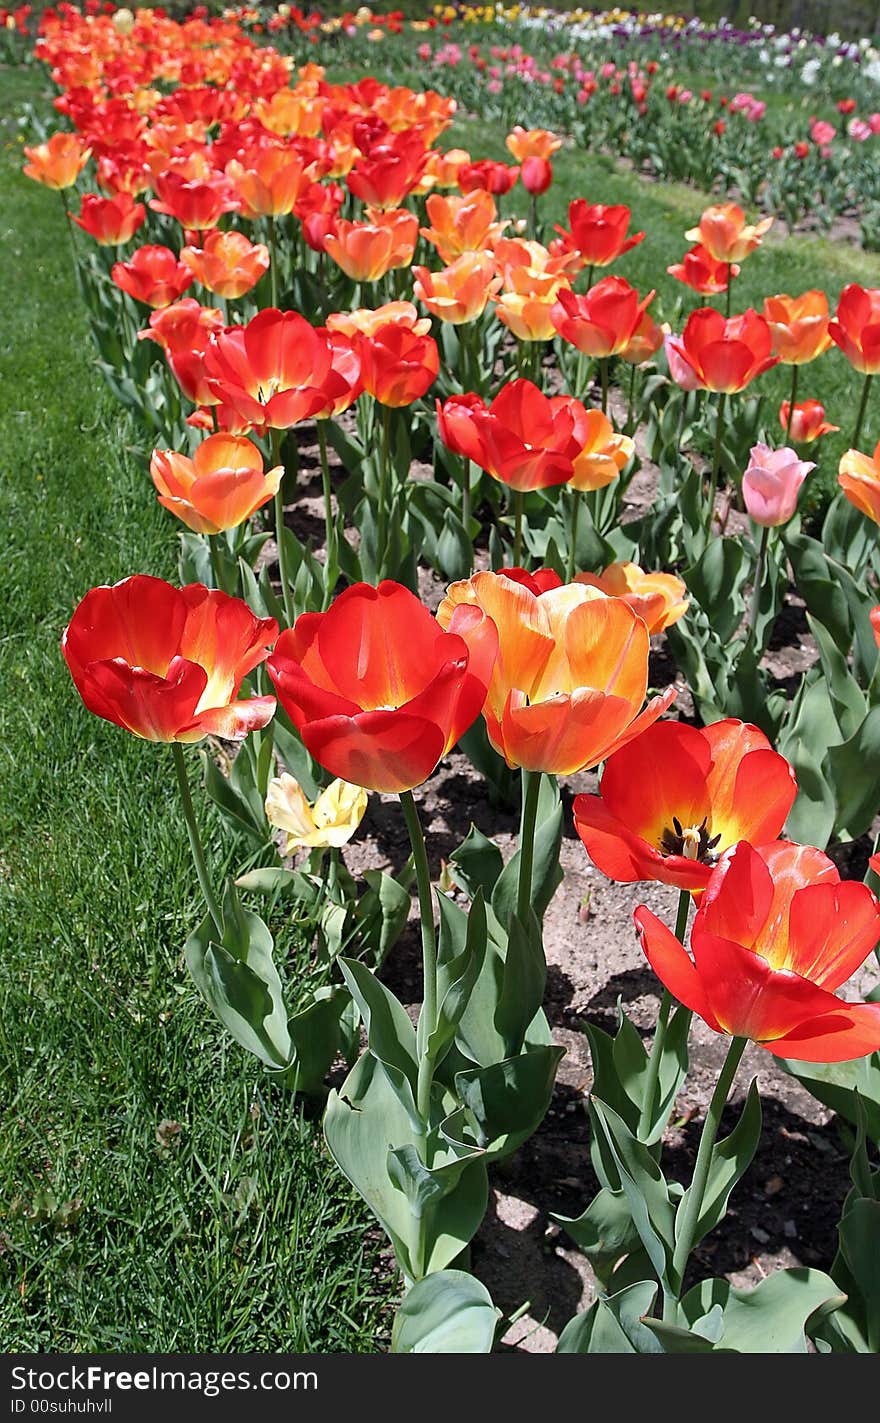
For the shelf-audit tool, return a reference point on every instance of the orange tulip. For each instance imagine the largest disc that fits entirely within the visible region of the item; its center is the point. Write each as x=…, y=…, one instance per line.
x=859, y=478
x=660, y=599
x=228, y=263
x=700, y=271
x=532, y=143
x=799, y=326
x=808, y=421
x=366, y=321
x=856, y=327
x=530, y=269
x=367, y=250
x=442, y=169
x=270, y=181
x=529, y=318
x=289, y=112
x=603, y=322
x=221, y=486
x=644, y=342
x=465, y=224
x=726, y=235
x=460, y=292
x=571, y=674
x=725, y=354
x=58, y=162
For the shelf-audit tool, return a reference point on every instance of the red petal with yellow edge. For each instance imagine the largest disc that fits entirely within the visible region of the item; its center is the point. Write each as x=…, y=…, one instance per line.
x=662, y=774
x=672, y=964
x=381, y=645
x=749, y=998
x=623, y=856
x=832, y=929
x=853, y=1030
x=235, y=721
x=380, y=750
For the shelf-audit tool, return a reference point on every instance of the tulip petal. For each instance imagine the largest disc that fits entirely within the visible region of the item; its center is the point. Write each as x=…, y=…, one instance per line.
x=672, y=964
x=386, y=751
x=852, y=1031
x=624, y=856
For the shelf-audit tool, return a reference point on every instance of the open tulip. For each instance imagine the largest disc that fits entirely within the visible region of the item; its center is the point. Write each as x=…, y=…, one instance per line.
x=227, y=263
x=724, y=354
x=856, y=327
x=460, y=292
x=672, y=801
x=328, y=824
x=221, y=486
x=702, y=272
x=273, y=372
x=660, y=599
x=492, y=177
x=270, y=181
x=196, y=203
x=466, y=224
x=366, y=321
x=806, y=422
x=58, y=162
x=599, y=233
x=859, y=478
x=367, y=250
x=528, y=440
x=604, y=321
x=532, y=143
x=529, y=318
x=111, y=221
x=726, y=235
x=153, y=275
x=390, y=171
x=377, y=690
x=398, y=365
x=776, y=933
x=166, y=663
x=771, y=484
x=569, y=681
x=184, y=330
x=799, y=326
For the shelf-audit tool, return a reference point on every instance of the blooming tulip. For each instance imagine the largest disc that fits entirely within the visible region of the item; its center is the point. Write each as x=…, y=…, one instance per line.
x=859, y=478
x=495, y=178
x=367, y=250
x=273, y=372
x=460, y=292
x=465, y=224
x=153, y=275
x=771, y=483
x=604, y=321
x=660, y=599
x=196, y=203
x=675, y=799
x=166, y=663
x=228, y=263
x=330, y=822
x=776, y=933
x=599, y=233
x=536, y=175
x=805, y=422
x=385, y=177
x=183, y=330
x=702, y=272
x=726, y=235
x=221, y=486
x=111, y=221
x=58, y=162
x=377, y=690
x=570, y=676
x=397, y=364
x=270, y=181
x=856, y=327
x=799, y=326
x=532, y=143
x=725, y=354
x=366, y=321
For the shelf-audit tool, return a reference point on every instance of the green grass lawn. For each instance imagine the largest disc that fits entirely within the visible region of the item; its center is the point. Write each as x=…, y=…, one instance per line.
x=117, y=1231
x=155, y=1192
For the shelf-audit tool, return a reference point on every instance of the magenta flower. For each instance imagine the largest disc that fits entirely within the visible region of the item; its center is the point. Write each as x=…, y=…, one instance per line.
x=771, y=484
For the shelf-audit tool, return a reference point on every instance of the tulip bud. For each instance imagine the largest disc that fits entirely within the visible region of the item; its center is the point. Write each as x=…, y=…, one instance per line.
x=536, y=175
x=771, y=483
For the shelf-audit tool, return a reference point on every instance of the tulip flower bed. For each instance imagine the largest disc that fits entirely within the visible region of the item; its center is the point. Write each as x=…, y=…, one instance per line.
x=526, y=666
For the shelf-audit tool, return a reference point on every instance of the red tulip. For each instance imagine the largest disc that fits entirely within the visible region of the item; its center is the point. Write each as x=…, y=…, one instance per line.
x=725, y=354
x=390, y=172
x=673, y=800
x=377, y=690
x=183, y=330
x=600, y=233
x=856, y=327
x=807, y=422
x=111, y=221
x=166, y=663
x=702, y=272
x=491, y=177
x=196, y=203
x=153, y=275
x=273, y=372
x=603, y=322
x=398, y=364
x=776, y=933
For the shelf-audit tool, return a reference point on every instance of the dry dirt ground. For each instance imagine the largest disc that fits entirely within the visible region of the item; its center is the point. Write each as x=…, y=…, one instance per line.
x=786, y=1209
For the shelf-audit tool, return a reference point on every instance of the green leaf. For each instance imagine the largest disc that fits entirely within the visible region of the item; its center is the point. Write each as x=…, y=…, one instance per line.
x=476, y=863
x=731, y=1159
x=604, y=1232
x=716, y=580
x=233, y=806
x=641, y=1180
x=509, y=1100
x=455, y=981
x=391, y=1036
x=447, y=1313
x=381, y=914
x=243, y=991
x=315, y=1033
x=859, y=1235
x=855, y=769
x=844, y=1086
x=673, y=1070
x=522, y=987
x=769, y=1319
x=613, y=1325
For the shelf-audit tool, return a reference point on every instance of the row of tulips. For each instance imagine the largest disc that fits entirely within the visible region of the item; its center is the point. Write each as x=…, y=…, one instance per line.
x=536, y=662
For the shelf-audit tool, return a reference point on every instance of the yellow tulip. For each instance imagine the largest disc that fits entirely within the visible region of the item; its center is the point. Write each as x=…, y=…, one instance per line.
x=331, y=821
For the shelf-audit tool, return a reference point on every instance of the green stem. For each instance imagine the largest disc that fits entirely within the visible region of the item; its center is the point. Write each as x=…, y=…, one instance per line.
x=466, y=497
x=603, y=367
x=273, y=261
x=533, y=216
x=576, y=498
x=384, y=479
x=216, y=566
x=630, y=401
x=590, y=271
x=286, y=598
x=729, y=291
x=666, y=1001
x=331, y=552
x=531, y=789
x=716, y=460
x=759, y=580
x=429, y=956
x=518, y=528
x=860, y=419
x=195, y=841
x=693, y=1204
x=791, y=403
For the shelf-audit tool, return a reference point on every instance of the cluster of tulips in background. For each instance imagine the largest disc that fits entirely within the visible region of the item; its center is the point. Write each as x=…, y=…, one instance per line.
x=285, y=274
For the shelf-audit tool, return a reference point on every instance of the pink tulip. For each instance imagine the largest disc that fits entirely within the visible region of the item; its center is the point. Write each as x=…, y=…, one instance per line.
x=682, y=371
x=771, y=484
